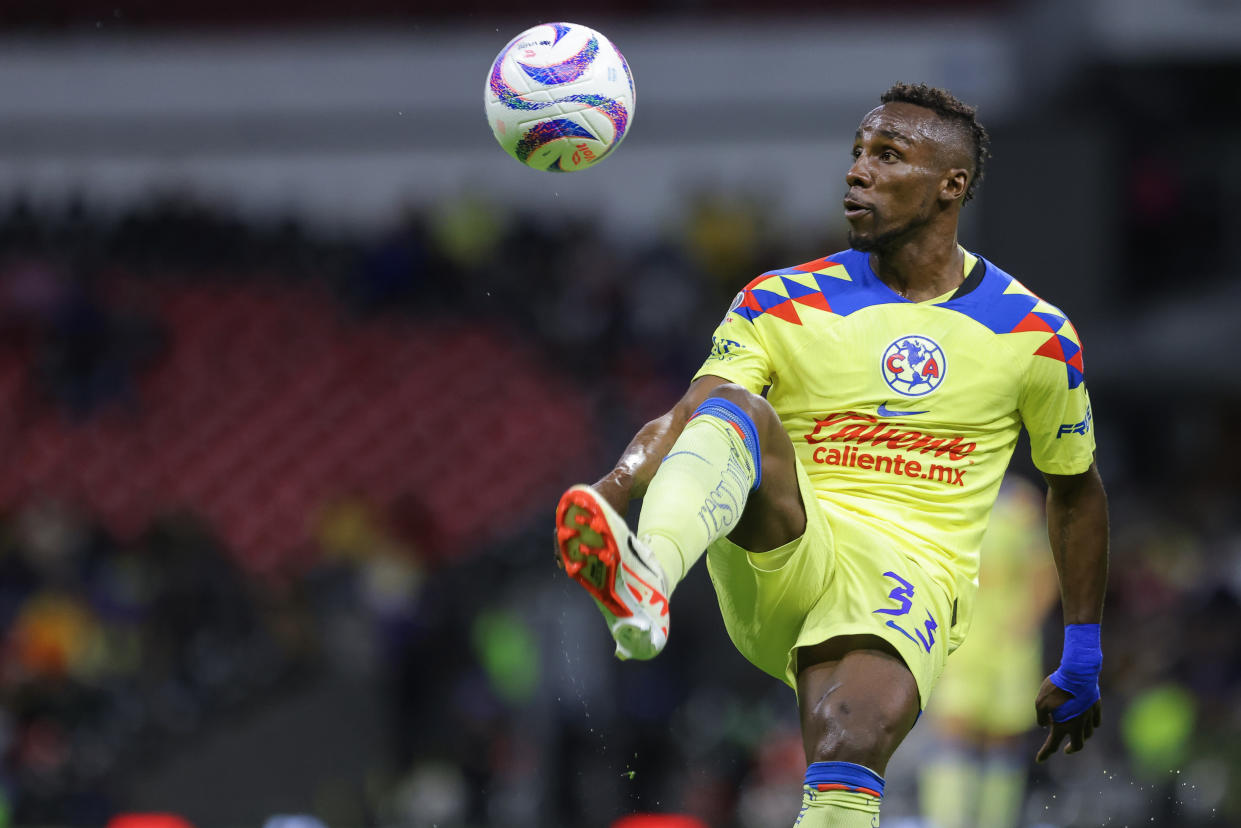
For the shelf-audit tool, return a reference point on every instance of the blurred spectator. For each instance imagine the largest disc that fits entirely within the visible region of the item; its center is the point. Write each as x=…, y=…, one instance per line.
x=112, y=654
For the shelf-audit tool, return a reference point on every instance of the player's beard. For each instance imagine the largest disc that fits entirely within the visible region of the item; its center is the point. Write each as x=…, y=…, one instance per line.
x=887, y=240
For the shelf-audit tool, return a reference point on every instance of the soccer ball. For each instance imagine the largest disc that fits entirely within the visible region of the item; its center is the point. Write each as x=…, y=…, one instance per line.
x=559, y=97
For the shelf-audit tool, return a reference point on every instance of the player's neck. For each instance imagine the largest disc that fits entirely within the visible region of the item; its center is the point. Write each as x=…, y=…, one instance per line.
x=921, y=268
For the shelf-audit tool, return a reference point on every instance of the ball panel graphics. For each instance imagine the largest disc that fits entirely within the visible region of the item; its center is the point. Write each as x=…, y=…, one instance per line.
x=559, y=97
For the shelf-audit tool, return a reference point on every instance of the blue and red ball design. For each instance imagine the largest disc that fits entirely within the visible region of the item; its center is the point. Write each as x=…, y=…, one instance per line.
x=572, y=72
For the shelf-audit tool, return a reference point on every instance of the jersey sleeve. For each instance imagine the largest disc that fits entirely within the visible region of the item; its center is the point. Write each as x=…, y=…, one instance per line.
x=1055, y=408
x=738, y=351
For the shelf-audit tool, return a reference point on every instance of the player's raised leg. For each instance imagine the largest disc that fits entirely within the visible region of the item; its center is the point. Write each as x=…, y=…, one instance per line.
x=730, y=470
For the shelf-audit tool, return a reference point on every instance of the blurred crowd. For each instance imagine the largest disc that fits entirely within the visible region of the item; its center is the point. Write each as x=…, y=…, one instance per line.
x=135, y=625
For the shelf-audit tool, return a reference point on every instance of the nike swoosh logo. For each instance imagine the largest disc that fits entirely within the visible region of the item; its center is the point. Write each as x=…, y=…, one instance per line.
x=884, y=411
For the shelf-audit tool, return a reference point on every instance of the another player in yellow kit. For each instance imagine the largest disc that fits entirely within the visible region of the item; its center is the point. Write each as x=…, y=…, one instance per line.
x=836, y=458
x=975, y=777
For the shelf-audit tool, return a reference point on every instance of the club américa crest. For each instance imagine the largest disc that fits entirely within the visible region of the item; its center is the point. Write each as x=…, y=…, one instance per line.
x=914, y=365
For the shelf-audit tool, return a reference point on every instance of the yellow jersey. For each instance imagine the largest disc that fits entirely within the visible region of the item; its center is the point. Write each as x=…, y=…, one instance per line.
x=905, y=414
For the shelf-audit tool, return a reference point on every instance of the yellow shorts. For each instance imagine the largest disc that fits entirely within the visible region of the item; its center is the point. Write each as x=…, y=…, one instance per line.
x=837, y=579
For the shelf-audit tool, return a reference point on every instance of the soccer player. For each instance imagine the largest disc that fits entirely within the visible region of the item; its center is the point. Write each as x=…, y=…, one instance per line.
x=836, y=458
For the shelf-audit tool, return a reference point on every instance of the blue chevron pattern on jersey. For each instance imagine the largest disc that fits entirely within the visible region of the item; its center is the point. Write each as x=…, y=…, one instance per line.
x=990, y=305
x=995, y=303
x=840, y=296
x=1004, y=310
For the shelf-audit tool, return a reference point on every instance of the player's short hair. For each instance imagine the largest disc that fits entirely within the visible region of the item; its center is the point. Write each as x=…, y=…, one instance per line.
x=957, y=112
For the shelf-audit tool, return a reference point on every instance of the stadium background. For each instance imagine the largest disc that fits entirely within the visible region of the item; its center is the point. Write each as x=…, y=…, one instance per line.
x=294, y=362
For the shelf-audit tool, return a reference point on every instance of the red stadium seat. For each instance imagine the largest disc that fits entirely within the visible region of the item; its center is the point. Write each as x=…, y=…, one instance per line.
x=267, y=405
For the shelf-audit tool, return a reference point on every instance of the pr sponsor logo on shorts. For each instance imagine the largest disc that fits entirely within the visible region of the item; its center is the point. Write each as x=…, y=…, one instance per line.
x=1082, y=427
x=914, y=365
x=854, y=432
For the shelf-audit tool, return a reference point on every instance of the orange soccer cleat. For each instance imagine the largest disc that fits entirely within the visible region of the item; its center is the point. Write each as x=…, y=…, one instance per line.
x=619, y=572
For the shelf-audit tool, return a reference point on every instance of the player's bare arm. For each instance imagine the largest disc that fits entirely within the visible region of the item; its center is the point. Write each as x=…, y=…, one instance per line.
x=1078, y=530
x=1077, y=527
x=638, y=463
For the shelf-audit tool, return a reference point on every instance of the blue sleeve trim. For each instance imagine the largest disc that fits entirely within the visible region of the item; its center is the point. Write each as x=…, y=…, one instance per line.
x=730, y=412
x=844, y=773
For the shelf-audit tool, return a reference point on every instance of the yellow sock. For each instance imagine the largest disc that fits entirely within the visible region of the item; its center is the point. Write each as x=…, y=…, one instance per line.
x=840, y=795
x=1001, y=793
x=700, y=490
x=948, y=790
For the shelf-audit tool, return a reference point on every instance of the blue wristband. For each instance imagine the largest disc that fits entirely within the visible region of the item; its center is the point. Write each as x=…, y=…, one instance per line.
x=1079, y=670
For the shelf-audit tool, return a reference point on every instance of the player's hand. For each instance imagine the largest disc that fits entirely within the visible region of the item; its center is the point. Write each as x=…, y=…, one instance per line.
x=1077, y=730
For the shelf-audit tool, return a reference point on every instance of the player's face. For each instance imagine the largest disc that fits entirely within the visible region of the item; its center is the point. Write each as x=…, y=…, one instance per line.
x=896, y=177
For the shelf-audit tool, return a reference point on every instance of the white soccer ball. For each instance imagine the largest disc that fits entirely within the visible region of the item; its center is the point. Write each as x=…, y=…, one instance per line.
x=559, y=97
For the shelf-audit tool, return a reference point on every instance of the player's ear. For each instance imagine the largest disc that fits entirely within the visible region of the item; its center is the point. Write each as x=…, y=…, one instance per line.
x=956, y=181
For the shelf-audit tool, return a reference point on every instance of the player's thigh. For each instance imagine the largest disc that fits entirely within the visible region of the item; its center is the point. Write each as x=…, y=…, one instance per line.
x=765, y=597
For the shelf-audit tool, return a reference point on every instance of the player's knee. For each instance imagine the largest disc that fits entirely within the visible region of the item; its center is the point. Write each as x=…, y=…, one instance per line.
x=842, y=737
x=871, y=750
x=754, y=405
